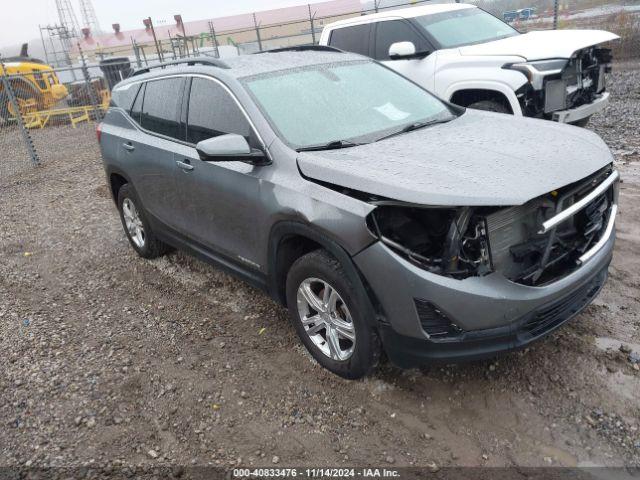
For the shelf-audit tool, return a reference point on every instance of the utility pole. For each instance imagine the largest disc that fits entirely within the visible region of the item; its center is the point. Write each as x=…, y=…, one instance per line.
x=136, y=52
x=149, y=23
x=214, y=39
x=313, y=28
x=178, y=19
x=255, y=22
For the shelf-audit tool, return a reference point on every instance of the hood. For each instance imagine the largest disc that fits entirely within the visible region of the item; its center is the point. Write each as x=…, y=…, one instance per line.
x=541, y=45
x=481, y=158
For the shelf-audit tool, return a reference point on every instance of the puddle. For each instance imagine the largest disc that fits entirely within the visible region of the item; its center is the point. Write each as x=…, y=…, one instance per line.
x=607, y=343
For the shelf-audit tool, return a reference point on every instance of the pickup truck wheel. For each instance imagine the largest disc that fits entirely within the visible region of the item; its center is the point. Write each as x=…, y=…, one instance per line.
x=136, y=226
x=490, y=106
x=324, y=308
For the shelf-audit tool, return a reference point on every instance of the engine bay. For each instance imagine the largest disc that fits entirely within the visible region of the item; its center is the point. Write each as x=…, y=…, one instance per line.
x=464, y=242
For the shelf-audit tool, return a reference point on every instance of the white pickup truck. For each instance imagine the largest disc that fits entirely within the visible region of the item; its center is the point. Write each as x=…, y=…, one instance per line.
x=471, y=58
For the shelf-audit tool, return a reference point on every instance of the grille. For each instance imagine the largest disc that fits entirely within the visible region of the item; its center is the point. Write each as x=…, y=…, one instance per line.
x=524, y=256
x=549, y=317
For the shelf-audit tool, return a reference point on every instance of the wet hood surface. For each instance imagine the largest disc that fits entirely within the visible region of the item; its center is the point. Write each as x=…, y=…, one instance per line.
x=480, y=158
x=542, y=44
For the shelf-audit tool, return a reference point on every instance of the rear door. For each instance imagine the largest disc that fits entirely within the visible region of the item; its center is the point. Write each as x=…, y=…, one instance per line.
x=220, y=200
x=148, y=152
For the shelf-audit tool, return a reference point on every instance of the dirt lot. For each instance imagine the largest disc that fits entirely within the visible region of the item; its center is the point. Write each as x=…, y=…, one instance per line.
x=109, y=359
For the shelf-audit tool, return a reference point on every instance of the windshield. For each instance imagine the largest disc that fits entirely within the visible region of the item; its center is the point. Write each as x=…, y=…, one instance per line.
x=355, y=101
x=465, y=27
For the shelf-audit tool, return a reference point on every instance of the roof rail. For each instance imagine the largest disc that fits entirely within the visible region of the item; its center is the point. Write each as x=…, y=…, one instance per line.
x=214, y=62
x=303, y=48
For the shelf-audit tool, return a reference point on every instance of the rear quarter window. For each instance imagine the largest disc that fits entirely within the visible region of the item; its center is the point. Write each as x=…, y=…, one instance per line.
x=353, y=39
x=123, y=97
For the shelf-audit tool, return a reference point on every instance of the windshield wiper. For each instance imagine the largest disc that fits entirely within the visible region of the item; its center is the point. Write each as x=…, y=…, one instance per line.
x=414, y=126
x=333, y=145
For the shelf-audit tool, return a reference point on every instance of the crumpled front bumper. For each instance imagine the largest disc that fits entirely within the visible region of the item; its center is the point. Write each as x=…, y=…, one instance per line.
x=583, y=111
x=494, y=314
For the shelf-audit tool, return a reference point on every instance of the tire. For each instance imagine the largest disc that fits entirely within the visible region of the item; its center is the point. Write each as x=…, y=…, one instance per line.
x=489, y=106
x=147, y=245
x=317, y=270
x=583, y=122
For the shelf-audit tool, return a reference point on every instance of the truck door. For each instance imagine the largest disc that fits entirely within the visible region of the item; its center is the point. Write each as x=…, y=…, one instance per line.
x=421, y=69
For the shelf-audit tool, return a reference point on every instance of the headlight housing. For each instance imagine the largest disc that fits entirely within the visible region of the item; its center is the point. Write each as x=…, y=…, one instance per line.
x=536, y=71
x=445, y=241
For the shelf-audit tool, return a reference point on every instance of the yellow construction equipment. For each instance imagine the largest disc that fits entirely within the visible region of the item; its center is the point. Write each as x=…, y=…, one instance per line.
x=35, y=85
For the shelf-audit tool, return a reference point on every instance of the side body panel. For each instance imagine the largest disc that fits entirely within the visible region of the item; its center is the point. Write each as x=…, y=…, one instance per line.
x=150, y=166
x=220, y=204
x=454, y=72
x=422, y=71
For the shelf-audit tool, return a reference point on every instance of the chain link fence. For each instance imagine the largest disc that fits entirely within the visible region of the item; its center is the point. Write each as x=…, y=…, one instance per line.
x=16, y=148
x=41, y=105
x=619, y=16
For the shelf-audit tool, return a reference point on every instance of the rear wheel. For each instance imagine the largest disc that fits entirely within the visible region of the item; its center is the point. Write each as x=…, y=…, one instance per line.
x=136, y=226
x=490, y=106
x=328, y=317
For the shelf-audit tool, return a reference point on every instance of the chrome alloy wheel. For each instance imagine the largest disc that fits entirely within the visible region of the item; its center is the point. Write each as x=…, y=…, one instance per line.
x=133, y=223
x=326, y=319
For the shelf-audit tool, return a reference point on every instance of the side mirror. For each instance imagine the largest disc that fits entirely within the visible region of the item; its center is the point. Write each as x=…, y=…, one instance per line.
x=404, y=50
x=229, y=148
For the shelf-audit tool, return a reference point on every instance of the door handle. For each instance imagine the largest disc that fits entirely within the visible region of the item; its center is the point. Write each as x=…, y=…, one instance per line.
x=186, y=166
x=128, y=146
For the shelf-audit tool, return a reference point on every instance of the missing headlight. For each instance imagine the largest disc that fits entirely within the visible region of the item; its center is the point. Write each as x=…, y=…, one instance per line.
x=445, y=241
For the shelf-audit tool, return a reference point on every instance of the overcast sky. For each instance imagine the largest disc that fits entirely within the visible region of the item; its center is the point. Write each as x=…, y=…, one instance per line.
x=21, y=17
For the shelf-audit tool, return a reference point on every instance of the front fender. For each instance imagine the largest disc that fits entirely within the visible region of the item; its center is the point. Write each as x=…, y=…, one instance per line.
x=287, y=228
x=494, y=86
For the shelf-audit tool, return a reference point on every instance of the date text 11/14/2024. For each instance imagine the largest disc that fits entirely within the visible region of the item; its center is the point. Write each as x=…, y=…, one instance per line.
x=315, y=473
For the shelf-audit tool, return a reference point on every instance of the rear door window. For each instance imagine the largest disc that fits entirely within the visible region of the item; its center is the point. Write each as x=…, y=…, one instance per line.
x=161, y=106
x=352, y=39
x=393, y=31
x=213, y=112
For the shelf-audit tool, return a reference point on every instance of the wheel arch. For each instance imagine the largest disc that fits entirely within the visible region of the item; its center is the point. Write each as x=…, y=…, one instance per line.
x=116, y=180
x=289, y=240
x=478, y=91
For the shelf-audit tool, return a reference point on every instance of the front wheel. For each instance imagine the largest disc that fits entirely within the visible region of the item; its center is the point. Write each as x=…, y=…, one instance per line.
x=329, y=318
x=490, y=106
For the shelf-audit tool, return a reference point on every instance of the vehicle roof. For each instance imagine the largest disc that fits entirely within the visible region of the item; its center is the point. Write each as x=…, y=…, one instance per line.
x=410, y=12
x=249, y=65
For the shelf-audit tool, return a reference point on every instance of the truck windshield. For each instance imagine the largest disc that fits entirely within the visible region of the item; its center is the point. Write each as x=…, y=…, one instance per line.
x=464, y=27
x=347, y=102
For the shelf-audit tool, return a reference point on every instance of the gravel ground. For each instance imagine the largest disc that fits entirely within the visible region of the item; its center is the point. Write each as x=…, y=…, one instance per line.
x=112, y=360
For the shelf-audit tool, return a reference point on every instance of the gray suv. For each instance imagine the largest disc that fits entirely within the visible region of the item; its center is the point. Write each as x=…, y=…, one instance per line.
x=383, y=218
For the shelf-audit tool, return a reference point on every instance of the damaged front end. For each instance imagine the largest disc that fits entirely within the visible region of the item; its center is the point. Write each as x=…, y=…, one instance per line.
x=451, y=242
x=560, y=84
x=532, y=244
